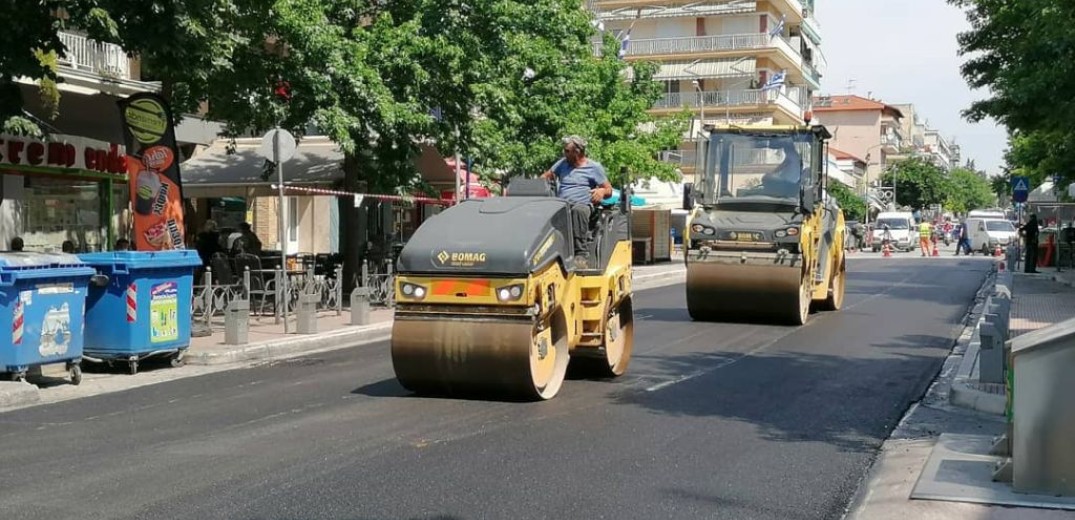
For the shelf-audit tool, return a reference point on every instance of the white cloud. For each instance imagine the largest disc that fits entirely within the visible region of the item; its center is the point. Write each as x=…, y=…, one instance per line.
x=905, y=51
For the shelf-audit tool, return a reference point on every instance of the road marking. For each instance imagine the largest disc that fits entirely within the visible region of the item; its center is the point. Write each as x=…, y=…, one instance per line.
x=714, y=368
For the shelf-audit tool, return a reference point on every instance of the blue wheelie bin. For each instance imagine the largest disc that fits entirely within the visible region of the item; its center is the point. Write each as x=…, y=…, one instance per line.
x=144, y=310
x=42, y=305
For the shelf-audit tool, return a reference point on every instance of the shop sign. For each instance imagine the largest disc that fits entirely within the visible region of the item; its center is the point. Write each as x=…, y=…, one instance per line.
x=63, y=151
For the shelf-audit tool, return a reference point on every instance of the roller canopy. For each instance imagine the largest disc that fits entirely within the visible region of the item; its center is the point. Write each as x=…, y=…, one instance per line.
x=503, y=235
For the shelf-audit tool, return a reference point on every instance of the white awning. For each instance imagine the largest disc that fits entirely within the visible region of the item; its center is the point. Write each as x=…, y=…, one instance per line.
x=694, y=9
x=737, y=68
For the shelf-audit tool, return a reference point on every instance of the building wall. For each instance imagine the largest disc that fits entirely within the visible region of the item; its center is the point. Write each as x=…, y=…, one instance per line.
x=857, y=133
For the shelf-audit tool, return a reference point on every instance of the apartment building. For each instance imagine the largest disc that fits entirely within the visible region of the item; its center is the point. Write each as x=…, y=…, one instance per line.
x=938, y=150
x=864, y=128
x=743, y=61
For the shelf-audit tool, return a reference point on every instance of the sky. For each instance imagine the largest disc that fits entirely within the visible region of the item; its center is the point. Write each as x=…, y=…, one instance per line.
x=905, y=51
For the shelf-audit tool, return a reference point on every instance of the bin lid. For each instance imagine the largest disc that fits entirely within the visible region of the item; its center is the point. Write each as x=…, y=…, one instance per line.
x=16, y=260
x=144, y=259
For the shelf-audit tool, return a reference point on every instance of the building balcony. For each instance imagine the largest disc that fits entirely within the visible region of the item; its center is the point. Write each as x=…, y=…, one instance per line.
x=890, y=143
x=691, y=45
x=86, y=55
x=752, y=100
x=685, y=160
x=652, y=10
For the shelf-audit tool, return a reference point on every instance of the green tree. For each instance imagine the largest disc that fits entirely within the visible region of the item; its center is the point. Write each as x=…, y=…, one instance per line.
x=919, y=183
x=853, y=205
x=1023, y=53
x=967, y=191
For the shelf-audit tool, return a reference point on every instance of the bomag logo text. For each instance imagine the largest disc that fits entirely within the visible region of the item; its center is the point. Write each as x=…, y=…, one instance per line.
x=461, y=259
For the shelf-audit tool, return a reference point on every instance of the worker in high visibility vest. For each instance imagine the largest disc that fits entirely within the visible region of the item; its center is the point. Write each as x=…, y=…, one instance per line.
x=925, y=233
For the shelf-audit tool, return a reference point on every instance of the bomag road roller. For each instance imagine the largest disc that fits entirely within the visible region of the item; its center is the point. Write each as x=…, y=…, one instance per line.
x=490, y=302
x=764, y=239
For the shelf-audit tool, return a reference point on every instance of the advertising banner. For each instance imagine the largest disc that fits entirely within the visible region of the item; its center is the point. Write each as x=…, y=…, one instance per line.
x=153, y=168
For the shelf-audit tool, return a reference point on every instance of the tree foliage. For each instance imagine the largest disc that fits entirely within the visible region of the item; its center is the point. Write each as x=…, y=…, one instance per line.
x=968, y=190
x=853, y=205
x=919, y=183
x=1023, y=52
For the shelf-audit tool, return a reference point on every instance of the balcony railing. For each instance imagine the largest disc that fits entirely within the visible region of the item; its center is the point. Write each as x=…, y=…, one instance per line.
x=793, y=99
x=86, y=55
x=694, y=44
x=687, y=158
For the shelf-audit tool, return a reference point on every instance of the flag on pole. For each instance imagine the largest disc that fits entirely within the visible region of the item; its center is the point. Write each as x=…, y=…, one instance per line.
x=778, y=28
x=623, y=44
x=775, y=81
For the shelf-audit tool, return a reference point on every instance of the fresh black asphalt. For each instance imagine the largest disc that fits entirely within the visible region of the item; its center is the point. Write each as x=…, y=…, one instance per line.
x=713, y=420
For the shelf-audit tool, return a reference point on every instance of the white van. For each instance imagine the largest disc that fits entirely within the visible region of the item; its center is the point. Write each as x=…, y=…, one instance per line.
x=902, y=227
x=987, y=233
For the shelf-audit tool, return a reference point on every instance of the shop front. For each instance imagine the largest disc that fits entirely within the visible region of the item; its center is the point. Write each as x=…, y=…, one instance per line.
x=62, y=189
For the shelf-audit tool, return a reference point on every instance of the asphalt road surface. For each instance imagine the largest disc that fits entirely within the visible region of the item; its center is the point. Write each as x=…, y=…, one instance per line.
x=714, y=420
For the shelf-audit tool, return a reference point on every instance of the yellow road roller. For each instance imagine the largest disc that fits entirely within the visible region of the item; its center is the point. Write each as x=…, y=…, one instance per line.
x=764, y=239
x=490, y=302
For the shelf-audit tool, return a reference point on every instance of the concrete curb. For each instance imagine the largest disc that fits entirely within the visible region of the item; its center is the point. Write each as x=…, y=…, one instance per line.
x=965, y=391
x=355, y=336
x=1062, y=280
x=341, y=338
x=14, y=394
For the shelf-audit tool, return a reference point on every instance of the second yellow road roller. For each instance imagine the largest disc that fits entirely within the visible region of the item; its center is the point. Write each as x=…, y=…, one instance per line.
x=490, y=303
x=764, y=240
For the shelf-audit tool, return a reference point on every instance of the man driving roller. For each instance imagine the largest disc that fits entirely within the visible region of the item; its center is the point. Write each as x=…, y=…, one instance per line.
x=582, y=181
x=784, y=180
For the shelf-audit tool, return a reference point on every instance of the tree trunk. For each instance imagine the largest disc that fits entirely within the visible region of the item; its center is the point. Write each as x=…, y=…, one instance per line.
x=352, y=224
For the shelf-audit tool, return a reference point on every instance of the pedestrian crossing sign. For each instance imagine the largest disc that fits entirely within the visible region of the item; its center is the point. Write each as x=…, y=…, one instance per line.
x=1020, y=189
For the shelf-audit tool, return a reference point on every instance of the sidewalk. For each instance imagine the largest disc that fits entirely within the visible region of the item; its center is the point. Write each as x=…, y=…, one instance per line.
x=941, y=442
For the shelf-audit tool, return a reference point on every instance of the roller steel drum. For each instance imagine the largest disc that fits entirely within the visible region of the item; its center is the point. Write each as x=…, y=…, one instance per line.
x=750, y=291
x=509, y=358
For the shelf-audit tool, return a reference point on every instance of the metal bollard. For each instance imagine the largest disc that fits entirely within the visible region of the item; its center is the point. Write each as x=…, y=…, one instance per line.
x=991, y=356
x=360, y=306
x=339, y=290
x=998, y=311
x=237, y=322
x=306, y=315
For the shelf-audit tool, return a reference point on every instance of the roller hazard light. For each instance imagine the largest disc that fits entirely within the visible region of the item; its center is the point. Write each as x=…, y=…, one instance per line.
x=490, y=302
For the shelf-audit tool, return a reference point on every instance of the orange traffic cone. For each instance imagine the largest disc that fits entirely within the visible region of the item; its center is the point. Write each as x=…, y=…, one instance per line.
x=935, y=252
x=887, y=251
x=996, y=252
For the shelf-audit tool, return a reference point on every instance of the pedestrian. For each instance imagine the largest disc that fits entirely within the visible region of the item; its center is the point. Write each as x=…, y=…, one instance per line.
x=1030, y=239
x=963, y=239
x=123, y=245
x=925, y=234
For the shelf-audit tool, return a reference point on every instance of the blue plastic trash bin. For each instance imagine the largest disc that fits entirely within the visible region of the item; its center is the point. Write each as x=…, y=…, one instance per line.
x=42, y=306
x=145, y=308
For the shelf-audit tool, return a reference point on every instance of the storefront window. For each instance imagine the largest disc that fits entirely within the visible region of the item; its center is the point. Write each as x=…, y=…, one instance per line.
x=59, y=210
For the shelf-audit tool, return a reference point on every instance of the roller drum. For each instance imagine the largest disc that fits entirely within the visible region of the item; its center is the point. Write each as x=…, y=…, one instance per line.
x=500, y=358
x=720, y=291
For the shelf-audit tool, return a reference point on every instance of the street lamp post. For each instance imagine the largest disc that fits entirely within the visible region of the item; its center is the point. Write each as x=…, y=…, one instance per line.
x=701, y=104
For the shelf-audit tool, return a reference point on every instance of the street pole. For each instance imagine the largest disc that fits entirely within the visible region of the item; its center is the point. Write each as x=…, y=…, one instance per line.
x=458, y=197
x=280, y=217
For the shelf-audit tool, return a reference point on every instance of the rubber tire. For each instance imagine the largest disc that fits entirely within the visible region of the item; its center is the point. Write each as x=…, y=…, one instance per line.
x=132, y=367
x=76, y=375
x=178, y=360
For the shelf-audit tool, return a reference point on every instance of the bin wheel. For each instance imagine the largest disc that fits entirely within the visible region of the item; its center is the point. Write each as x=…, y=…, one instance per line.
x=132, y=367
x=18, y=377
x=76, y=375
x=178, y=359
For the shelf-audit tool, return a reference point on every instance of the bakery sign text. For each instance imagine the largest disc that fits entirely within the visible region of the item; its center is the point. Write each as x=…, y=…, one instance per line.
x=63, y=151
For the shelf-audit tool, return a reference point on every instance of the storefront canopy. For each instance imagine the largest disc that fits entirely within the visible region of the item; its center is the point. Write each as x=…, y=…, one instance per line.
x=318, y=162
